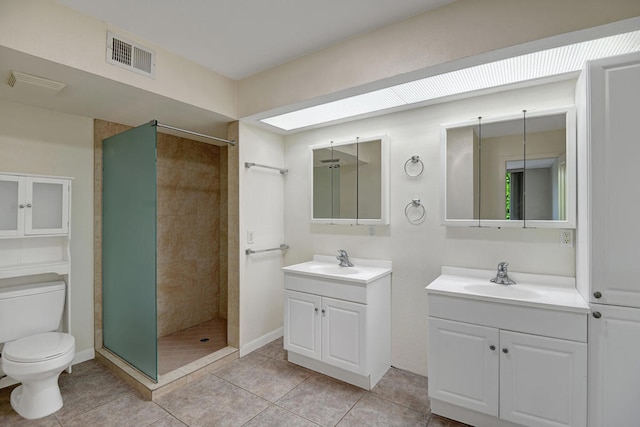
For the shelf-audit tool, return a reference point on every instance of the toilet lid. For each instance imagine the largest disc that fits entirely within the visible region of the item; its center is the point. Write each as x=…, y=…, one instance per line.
x=39, y=347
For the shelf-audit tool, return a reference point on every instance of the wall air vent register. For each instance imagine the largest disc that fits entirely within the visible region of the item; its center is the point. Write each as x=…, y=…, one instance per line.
x=130, y=55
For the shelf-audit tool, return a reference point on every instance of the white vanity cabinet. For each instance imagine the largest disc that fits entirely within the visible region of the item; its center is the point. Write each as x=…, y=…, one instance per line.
x=326, y=329
x=524, y=378
x=505, y=356
x=31, y=205
x=339, y=323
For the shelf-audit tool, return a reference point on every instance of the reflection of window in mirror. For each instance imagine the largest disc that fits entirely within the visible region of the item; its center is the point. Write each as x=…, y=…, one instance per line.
x=546, y=194
x=504, y=177
x=535, y=188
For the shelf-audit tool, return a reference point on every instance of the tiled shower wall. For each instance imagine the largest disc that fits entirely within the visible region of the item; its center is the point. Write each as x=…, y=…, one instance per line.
x=192, y=244
x=188, y=233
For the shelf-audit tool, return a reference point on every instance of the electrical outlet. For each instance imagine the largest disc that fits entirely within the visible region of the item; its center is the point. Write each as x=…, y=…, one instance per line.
x=250, y=236
x=566, y=238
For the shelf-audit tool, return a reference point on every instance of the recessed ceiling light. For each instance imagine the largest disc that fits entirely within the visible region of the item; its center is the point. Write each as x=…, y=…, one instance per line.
x=546, y=63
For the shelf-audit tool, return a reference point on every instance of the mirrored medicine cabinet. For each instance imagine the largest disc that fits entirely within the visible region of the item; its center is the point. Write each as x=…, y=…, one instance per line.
x=516, y=171
x=349, y=182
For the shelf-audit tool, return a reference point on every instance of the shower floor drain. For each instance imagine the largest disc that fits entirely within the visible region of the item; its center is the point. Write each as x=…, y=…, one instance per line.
x=204, y=339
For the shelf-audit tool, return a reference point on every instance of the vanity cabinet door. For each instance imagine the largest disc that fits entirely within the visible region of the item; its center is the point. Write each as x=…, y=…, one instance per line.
x=302, y=324
x=343, y=334
x=543, y=381
x=464, y=365
x=614, y=375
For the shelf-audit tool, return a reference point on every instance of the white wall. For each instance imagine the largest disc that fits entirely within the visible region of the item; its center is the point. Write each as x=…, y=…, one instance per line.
x=38, y=141
x=424, y=44
x=418, y=251
x=46, y=29
x=261, y=210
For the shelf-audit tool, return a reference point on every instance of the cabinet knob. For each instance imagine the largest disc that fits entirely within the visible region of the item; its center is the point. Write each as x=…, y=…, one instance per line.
x=21, y=206
x=492, y=347
x=323, y=311
x=28, y=205
x=505, y=350
x=597, y=314
x=316, y=309
x=597, y=294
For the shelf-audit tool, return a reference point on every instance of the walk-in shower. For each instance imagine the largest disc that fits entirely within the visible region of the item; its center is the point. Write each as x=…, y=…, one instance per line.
x=164, y=247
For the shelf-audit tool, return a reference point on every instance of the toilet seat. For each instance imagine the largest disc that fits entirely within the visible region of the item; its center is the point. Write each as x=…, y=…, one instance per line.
x=39, y=347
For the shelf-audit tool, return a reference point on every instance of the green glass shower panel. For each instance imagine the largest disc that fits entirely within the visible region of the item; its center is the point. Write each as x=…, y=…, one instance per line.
x=129, y=247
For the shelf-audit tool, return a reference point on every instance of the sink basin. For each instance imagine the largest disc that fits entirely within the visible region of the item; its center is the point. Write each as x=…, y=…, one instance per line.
x=326, y=267
x=503, y=291
x=333, y=269
x=531, y=290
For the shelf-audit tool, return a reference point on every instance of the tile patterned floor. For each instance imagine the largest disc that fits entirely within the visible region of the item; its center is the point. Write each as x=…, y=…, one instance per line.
x=260, y=389
x=183, y=347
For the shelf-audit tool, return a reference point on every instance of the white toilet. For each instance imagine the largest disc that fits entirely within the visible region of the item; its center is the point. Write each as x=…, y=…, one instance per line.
x=32, y=354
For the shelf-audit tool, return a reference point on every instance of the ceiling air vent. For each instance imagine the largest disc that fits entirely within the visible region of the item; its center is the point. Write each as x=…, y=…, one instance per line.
x=130, y=55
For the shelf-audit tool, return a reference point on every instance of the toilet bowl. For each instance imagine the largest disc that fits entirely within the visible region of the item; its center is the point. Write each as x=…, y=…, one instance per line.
x=37, y=361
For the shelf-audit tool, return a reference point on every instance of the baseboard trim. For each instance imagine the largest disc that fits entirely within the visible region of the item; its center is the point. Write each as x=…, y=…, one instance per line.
x=259, y=342
x=83, y=356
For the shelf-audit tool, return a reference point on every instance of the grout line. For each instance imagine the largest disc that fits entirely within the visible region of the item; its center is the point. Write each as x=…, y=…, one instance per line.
x=351, y=409
x=297, y=415
x=400, y=404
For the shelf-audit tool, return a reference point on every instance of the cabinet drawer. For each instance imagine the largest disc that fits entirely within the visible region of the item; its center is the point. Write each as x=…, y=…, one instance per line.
x=520, y=318
x=326, y=287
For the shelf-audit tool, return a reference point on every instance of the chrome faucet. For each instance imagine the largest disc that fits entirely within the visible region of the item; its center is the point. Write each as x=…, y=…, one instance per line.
x=343, y=257
x=502, y=277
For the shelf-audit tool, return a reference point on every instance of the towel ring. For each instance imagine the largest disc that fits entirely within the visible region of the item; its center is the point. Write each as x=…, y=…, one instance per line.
x=413, y=160
x=415, y=203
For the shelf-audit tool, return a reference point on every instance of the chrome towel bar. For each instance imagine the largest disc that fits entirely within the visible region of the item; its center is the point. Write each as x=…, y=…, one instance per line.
x=251, y=164
x=282, y=247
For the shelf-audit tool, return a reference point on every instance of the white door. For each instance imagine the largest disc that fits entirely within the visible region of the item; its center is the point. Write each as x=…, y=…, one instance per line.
x=463, y=365
x=543, y=381
x=615, y=103
x=614, y=366
x=12, y=205
x=302, y=325
x=344, y=334
x=47, y=206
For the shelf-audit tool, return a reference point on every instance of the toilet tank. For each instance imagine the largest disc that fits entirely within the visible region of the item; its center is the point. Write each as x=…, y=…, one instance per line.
x=30, y=309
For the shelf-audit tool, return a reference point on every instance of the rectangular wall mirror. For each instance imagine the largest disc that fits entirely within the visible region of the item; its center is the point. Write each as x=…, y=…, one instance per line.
x=349, y=182
x=517, y=171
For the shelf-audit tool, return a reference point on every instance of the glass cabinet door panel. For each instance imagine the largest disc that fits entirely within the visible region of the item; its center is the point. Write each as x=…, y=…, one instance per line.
x=10, y=214
x=47, y=206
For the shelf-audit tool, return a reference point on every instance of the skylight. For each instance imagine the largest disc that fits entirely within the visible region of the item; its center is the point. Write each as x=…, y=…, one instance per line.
x=546, y=63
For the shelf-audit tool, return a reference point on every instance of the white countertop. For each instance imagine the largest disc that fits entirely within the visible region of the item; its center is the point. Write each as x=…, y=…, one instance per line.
x=364, y=270
x=534, y=290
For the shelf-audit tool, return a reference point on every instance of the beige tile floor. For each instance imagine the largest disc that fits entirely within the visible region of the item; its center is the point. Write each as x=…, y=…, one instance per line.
x=260, y=389
x=183, y=347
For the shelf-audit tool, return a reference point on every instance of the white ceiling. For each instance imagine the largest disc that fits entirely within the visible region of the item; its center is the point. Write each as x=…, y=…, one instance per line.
x=238, y=38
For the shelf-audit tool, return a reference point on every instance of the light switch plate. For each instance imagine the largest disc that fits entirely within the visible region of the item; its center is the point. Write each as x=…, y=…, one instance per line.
x=250, y=236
